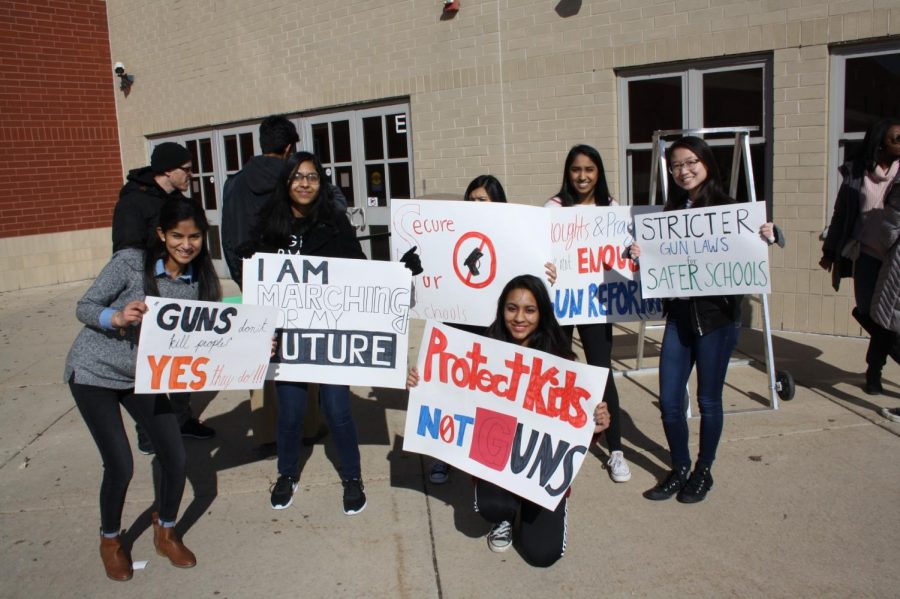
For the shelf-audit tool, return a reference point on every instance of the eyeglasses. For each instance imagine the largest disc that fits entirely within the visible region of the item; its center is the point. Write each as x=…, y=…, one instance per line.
x=311, y=178
x=677, y=167
x=188, y=169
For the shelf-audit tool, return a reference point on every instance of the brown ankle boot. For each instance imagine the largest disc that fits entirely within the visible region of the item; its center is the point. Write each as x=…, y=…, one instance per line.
x=115, y=560
x=169, y=545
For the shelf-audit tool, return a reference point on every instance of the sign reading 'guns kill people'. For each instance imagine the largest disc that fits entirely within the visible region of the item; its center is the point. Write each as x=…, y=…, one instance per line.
x=190, y=345
x=340, y=321
x=516, y=417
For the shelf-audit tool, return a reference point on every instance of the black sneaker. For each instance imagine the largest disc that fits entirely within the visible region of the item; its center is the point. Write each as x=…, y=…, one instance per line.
x=195, y=430
x=695, y=489
x=672, y=484
x=354, y=498
x=145, y=446
x=283, y=492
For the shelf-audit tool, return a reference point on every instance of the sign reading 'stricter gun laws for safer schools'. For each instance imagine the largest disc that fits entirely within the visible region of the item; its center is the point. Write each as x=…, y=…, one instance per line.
x=340, y=321
x=703, y=251
x=519, y=418
x=203, y=346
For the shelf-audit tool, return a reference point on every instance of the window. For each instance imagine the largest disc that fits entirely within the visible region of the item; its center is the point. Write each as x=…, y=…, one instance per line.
x=366, y=152
x=865, y=87
x=736, y=93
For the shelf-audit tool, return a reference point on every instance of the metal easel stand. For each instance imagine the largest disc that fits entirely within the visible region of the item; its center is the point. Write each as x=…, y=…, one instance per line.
x=781, y=384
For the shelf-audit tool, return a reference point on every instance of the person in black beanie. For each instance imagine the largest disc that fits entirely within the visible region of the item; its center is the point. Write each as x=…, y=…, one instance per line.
x=135, y=219
x=137, y=211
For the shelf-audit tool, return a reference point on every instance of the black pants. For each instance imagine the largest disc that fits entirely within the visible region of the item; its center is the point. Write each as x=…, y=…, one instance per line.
x=99, y=407
x=597, y=342
x=882, y=340
x=542, y=534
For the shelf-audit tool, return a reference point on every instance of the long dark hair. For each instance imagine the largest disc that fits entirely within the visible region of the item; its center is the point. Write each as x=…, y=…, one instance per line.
x=867, y=157
x=548, y=336
x=567, y=194
x=174, y=211
x=276, y=219
x=491, y=186
x=711, y=191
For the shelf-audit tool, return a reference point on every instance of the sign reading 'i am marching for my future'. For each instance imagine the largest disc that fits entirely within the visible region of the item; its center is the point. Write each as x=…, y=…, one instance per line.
x=516, y=417
x=703, y=251
x=340, y=321
x=595, y=281
x=190, y=345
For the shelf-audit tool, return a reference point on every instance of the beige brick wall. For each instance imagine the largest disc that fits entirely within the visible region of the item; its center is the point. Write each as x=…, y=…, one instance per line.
x=505, y=87
x=39, y=260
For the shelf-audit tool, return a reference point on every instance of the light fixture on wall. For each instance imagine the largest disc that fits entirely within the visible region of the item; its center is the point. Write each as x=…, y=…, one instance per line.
x=125, y=80
x=451, y=7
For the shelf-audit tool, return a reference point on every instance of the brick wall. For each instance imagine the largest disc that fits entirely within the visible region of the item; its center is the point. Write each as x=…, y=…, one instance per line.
x=60, y=165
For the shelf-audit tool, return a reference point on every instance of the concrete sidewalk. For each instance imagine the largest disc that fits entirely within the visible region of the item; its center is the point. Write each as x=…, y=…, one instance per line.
x=805, y=501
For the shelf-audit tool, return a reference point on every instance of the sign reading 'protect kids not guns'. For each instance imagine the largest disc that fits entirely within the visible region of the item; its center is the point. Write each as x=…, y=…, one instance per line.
x=516, y=417
x=188, y=346
x=704, y=251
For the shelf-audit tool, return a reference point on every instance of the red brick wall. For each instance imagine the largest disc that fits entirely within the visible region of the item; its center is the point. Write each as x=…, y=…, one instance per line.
x=60, y=168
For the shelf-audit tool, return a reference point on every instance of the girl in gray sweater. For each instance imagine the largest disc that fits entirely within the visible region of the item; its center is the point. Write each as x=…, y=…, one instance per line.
x=100, y=371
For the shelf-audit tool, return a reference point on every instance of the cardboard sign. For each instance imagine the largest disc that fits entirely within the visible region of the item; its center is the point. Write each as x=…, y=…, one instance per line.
x=203, y=346
x=519, y=418
x=704, y=251
x=469, y=251
x=595, y=283
x=340, y=321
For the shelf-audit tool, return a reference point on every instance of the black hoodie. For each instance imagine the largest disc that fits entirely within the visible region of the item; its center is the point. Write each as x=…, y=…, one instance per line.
x=136, y=214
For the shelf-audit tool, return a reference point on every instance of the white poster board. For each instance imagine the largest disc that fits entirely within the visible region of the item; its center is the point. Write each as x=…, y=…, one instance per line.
x=704, y=251
x=469, y=251
x=340, y=321
x=595, y=283
x=188, y=346
x=519, y=418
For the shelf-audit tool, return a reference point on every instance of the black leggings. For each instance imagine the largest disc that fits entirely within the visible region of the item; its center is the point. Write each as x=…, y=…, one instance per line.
x=597, y=342
x=542, y=533
x=99, y=407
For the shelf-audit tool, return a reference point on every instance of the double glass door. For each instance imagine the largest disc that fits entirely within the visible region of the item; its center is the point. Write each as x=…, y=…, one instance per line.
x=367, y=154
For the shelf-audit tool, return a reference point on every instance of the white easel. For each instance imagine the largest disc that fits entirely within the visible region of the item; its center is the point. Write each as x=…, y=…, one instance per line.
x=781, y=384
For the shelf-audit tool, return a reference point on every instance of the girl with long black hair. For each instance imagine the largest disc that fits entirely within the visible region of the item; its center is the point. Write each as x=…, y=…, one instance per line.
x=100, y=371
x=584, y=184
x=304, y=219
x=852, y=246
x=525, y=317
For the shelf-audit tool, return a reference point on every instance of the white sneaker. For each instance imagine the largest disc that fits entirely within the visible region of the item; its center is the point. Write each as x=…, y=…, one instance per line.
x=891, y=414
x=618, y=467
x=500, y=537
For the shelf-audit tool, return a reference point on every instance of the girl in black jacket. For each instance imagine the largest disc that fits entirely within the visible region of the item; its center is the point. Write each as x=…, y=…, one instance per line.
x=303, y=218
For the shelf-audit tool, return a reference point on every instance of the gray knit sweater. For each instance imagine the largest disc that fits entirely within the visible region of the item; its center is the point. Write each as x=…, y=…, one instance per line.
x=106, y=358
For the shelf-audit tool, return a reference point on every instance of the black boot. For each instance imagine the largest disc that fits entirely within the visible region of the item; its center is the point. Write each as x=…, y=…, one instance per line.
x=873, y=382
x=695, y=490
x=671, y=485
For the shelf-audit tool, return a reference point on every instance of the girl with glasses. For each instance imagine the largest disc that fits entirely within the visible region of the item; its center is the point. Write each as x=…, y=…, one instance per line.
x=699, y=331
x=303, y=218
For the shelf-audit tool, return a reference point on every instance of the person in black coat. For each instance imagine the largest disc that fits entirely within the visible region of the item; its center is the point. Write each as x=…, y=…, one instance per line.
x=302, y=218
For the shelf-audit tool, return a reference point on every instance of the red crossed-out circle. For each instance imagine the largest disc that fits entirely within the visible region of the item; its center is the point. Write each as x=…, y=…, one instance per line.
x=486, y=247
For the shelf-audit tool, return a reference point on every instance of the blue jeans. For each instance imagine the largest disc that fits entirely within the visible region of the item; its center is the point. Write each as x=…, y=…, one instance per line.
x=334, y=401
x=681, y=349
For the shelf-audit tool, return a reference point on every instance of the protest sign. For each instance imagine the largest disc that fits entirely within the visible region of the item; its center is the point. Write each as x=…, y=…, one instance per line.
x=469, y=250
x=189, y=346
x=595, y=282
x=704, y=251
x=519, y=418
x=340, y=321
